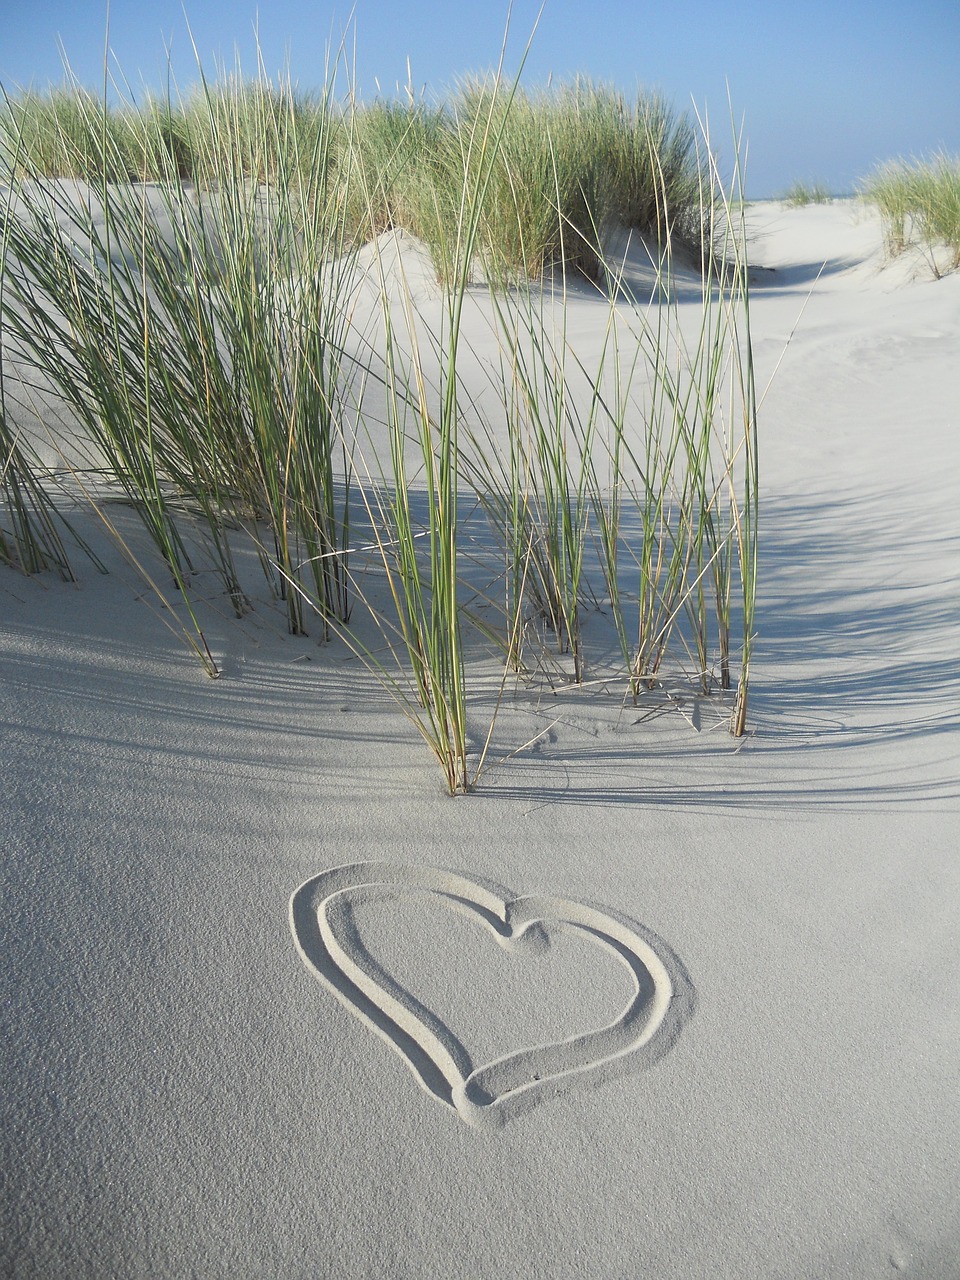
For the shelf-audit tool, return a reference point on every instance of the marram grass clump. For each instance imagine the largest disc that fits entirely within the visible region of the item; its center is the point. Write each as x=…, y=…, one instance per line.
x=919, y=204
x=569, y=161
x=204, y=329
x=800, y=194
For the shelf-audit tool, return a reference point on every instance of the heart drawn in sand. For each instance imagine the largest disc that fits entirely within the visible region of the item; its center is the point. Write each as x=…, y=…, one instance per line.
x=661, y=995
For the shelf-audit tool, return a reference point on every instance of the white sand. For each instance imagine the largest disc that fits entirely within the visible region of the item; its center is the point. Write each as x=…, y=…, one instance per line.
x=183, y=1097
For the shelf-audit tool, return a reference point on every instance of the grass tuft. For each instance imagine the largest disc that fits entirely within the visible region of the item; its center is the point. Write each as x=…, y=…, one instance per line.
x=919, y=204
x=800, y=194
x=568, y=162
x=188, y=278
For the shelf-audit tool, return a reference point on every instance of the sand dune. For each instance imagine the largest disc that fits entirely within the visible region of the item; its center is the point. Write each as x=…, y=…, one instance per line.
x=725, y=1040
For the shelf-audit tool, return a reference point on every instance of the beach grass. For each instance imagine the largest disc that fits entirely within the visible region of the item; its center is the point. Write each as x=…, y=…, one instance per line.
x=31, y=530
x=570, y=160
x=800, y=194
x=184, y=278
x=919, y=204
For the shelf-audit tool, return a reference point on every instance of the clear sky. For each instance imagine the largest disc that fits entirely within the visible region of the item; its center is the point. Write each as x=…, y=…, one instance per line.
x=827, y=88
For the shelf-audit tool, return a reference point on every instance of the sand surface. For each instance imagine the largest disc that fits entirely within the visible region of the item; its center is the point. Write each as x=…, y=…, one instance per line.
x=651, y=1003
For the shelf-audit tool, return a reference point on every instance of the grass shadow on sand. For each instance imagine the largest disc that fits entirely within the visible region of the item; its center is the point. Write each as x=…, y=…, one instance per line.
x=853, y=707
x=854, y=701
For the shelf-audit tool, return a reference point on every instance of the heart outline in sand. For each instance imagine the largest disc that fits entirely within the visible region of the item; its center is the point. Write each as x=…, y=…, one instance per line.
x=321, y=921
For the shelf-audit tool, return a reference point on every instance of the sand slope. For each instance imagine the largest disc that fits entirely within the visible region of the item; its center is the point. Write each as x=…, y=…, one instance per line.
x=183, y=1097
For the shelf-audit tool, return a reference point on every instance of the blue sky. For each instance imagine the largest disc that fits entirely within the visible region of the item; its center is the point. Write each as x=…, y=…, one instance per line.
x=826, y=88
